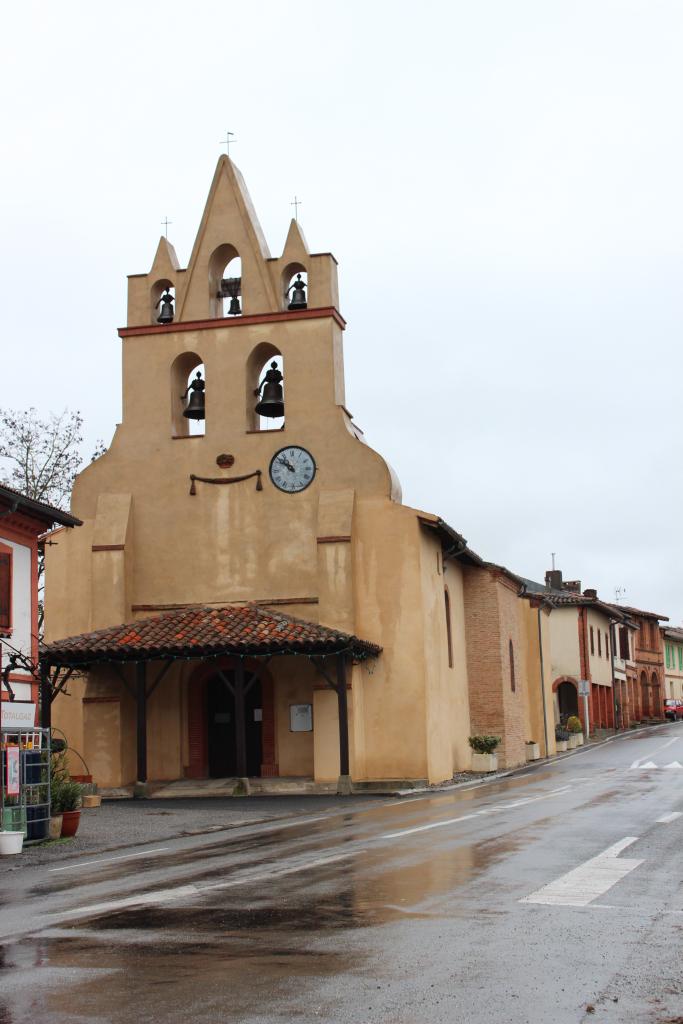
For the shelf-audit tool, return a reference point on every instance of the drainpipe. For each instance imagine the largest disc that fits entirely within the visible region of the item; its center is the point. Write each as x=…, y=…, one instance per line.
x=612, y=634
x=540, y=652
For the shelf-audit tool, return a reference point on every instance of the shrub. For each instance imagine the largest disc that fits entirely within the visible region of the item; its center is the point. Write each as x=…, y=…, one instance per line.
x=574, y=724
x=484, y=744
x=561, y=734
x=66, y=796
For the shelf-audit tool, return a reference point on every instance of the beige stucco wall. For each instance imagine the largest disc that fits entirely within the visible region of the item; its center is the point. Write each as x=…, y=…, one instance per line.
x=564, y=643
x=600, y=665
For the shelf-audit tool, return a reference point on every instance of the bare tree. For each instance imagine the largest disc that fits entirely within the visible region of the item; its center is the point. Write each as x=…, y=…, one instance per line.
x=40, y=458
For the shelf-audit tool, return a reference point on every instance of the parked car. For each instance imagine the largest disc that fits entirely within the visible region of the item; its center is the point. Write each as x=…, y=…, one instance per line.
x=673, y=709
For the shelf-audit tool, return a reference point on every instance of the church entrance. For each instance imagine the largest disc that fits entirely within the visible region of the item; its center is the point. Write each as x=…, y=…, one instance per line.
x=224, y=709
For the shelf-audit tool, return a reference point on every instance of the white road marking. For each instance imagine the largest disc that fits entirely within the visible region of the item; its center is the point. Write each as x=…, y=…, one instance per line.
x=108, y=860
x=662, y=746
x=666, y=818
x=674, y=766
x=475, y=814
x=183, y=891
x=637, y=766
x=584, y=884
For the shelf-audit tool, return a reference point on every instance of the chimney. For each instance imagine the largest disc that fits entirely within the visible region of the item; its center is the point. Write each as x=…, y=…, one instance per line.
x=553, y=579
x=591, y=593
x=574, y=586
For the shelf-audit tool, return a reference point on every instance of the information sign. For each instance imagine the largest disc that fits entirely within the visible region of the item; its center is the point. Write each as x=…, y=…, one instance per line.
x=15, y=714
x=12, y=761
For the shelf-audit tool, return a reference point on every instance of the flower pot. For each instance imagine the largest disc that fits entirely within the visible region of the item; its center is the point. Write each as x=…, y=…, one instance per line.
x=579, y=739
x=561, y=746
x=533, y=752
x=70, y=820
x=55, y=826
x=484, y=762
x=11, y=842
x=91, y=799
x=572, y=742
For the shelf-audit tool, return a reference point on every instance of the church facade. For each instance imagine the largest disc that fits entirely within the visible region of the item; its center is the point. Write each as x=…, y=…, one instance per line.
x=238, y=503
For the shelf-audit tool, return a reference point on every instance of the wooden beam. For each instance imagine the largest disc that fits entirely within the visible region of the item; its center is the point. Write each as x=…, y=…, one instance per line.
x=343, y=717
x=141, y=688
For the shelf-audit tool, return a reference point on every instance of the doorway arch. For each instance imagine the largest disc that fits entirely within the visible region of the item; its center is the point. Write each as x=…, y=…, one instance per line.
x=213, y=717
x=644, y=696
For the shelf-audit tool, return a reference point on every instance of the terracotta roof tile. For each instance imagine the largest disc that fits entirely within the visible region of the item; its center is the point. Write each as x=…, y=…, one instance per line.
x=204, y=632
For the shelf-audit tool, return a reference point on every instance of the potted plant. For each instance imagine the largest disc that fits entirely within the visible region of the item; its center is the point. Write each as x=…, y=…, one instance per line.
x=561, y=738
x=575, y=732
x=533, y=752
x=484, y=758
x=69, y=793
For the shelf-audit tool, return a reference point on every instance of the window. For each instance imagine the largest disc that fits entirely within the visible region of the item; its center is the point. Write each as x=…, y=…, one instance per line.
x=592, y=642
x=606, y=644
x=5, y=588
x=449, y=637
x=680, y=658
x=668, y=655
x=599, y=643
x=623, y=643
x=513, y=685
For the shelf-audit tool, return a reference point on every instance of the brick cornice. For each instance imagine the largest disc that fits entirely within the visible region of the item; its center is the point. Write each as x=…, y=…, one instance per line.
x=235, y=321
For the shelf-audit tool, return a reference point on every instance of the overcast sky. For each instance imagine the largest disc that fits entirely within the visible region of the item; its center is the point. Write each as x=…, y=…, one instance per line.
x=500, y=181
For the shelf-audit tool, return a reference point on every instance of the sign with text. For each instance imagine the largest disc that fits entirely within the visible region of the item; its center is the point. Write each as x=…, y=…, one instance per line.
x=584, y=687
x=12, y=780
x=17, y=715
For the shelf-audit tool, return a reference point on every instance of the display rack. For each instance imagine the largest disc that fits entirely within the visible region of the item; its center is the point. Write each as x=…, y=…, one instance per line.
x=27, y=811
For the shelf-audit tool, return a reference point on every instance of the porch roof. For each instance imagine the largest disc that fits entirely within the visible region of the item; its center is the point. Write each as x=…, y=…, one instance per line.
x=202, y=631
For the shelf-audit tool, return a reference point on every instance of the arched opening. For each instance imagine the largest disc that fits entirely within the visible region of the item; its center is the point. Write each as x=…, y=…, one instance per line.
x=655, y=702
x=644, y=696
x=162, y=302
x=449, y=634
x=567, y=700
x=264, y=392
x=188, y=395
x=225, y=282
x=295, y=287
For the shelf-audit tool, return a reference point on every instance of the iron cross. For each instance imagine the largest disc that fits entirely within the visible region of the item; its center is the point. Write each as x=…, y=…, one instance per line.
x=229, y=136
x=166, y=222
x=296, y=204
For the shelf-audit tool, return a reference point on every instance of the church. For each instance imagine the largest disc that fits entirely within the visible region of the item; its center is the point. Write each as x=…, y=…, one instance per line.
x=247, y=595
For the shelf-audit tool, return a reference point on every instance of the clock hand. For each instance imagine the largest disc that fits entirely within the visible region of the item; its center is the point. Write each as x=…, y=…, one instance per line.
x=285, y=462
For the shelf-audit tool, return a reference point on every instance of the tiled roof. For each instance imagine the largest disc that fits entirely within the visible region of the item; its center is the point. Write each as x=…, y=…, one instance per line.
x=202, y=631
x=638, y=611
x=674, y=633
x=572, y=599
x=39, y=509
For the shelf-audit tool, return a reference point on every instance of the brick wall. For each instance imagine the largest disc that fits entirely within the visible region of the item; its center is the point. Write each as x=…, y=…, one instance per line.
x=493, y=619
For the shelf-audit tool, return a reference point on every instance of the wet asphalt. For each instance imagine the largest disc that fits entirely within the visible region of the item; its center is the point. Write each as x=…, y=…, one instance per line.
x=397, y=912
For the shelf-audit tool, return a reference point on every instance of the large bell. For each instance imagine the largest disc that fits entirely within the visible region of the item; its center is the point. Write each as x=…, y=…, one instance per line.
x=271, y=402
x=234, y=309
x=298, y=300
x=166, y=311
x=231, y=288
x=195, y=409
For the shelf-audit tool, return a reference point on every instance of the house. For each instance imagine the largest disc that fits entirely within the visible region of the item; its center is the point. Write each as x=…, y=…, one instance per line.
x=581, y=649
x=673, y=662
x=648, y=692
x=22, y=522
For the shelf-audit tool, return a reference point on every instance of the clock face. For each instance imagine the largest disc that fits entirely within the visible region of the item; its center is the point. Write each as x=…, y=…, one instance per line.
x=292, y=469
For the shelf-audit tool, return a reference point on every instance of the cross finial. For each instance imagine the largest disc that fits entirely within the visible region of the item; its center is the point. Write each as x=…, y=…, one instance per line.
x=229, y=137
x=166, y=222
x=296, y=204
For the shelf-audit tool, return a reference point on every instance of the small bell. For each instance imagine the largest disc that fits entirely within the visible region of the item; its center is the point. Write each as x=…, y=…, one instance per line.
x=166, y=311
x=298, y=290
x=271, y=403
x=195, y=409
x=231, y=288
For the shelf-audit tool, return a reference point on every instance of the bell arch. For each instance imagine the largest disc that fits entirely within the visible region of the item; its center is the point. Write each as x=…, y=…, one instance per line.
x=225, y=281
x=184, y=371
x=259, y=362
x=162, y=311
x=293, y=297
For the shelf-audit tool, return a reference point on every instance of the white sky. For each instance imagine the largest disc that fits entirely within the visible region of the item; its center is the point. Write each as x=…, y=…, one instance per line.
x=501, y=184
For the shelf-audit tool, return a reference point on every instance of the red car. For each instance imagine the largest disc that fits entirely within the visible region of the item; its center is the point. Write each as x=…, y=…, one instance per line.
x=673, y=709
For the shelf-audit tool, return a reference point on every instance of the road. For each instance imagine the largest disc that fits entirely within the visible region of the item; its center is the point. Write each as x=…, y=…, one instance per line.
x=553, y=895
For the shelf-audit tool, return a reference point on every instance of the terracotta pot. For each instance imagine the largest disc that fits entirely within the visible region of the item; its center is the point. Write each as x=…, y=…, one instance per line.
x=70, y=820
x=55, y=826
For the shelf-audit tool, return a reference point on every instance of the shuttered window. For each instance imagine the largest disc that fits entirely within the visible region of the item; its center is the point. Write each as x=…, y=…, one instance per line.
x=5, y=590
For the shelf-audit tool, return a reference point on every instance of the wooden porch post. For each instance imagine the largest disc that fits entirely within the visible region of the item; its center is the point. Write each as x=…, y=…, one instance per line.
x=45, y=698
x=344, y=784
x=240, y=730
x=141, y=696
